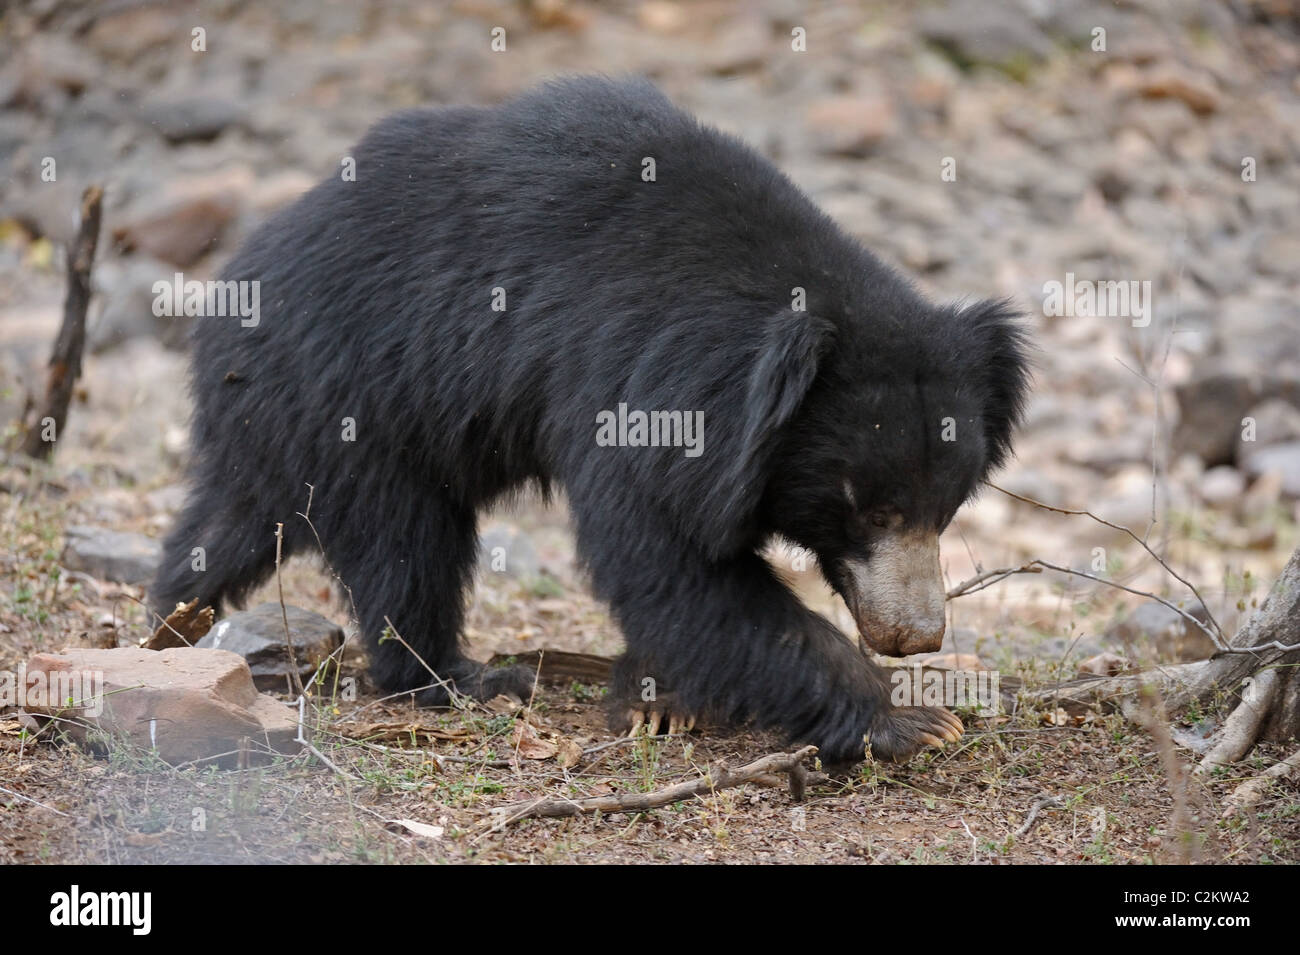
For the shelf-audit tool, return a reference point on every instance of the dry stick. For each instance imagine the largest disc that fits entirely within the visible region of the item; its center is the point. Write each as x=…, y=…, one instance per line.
x=296, y=682
x=1249, y=793
x=1041, y=803
x=457, y=700
x=537, y=675
x=718, y=777
x=65, y=360
x=1216, y=635
x=326, y=760
x=1152, y=716
x=337, y=654
x=1241, y=728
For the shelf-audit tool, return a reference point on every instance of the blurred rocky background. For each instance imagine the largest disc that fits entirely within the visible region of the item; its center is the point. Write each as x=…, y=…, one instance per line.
x=987, y=147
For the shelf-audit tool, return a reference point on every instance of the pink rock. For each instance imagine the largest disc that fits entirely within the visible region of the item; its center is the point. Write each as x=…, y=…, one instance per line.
x=1103, y=664
x=851, y=125
x=187, y=704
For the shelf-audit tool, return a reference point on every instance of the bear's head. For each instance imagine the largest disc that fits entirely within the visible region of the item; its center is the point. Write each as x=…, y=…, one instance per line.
x=903, y=418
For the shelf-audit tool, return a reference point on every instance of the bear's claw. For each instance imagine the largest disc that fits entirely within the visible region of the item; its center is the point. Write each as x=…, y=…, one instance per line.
x=652, y=721
x=902, y=732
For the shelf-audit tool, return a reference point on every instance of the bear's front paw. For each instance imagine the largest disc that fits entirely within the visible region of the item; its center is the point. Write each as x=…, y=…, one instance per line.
x=900, y=733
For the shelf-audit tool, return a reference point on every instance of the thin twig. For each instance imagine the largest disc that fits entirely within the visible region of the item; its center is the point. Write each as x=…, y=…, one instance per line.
x=992, y=577
x=1038, y=565
x=457, y=700
x=328, y=762
x=10, y=792
x=1216, y=635
x=295, y=681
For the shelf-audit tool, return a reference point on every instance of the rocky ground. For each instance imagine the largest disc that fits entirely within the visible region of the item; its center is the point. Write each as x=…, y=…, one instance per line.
x=987, y=148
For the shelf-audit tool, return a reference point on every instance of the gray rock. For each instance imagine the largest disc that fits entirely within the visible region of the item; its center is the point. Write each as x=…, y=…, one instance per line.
x=1222, y=486
x=257, y=635
x=1210, y=410
x=1280, y=459
x=1276, y=421
x=128, y=297
x=167, y=500
x=1268, y=199
x=984, y=32
x=199, y=118
x=507, y=550
x=119, y=556
x=1262, y=331
x=1155, y=627
x=1278, y=254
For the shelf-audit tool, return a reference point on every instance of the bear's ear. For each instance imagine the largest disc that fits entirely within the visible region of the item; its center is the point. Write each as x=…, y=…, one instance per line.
x=757, y=403
x=1000, y=346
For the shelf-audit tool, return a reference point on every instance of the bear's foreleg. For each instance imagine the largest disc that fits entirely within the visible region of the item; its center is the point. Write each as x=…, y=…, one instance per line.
x=728, y=641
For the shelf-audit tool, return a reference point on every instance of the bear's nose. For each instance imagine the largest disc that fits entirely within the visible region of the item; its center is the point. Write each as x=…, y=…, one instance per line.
x=921, y=632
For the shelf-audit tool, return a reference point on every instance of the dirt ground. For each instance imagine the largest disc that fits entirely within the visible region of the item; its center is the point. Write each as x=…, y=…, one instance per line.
x=1124, y=164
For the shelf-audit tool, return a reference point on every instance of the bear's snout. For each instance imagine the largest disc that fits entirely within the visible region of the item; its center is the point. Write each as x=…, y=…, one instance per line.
x=897, y=596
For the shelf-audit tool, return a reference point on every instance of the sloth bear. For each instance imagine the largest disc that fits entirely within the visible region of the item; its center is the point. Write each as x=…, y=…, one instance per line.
x=554, y=291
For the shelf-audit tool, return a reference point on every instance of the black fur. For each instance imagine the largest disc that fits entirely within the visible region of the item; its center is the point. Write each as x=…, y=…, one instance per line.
x=672, y=294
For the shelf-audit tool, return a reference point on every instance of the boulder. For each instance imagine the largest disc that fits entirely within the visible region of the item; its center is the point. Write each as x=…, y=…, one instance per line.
x=120, y=556
x=257, y=635
x=186, y=705
x=1162, y=630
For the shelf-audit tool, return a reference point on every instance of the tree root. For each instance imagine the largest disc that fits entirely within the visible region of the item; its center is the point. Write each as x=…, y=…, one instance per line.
x=1241, y=728
x=1248, y=794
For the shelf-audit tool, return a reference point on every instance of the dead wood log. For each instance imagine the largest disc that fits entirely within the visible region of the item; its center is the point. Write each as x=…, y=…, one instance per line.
x=561, y=666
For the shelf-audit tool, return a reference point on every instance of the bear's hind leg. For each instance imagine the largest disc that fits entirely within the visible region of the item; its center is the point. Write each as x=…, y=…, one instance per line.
x=408, y=558
x=218, y=552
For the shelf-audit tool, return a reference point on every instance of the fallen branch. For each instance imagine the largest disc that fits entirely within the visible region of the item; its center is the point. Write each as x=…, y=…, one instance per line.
x=1241, y=728
x=1249, y=793
x=65, y=360
x=717, y=778
x=1041, y=803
